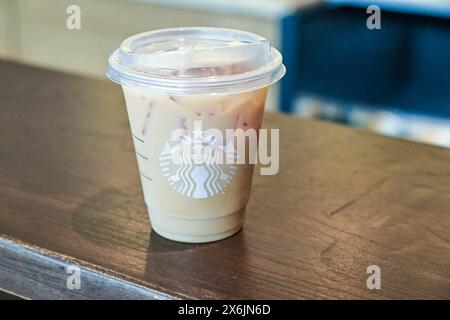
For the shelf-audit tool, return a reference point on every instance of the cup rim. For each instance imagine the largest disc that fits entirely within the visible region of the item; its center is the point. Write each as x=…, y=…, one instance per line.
x=259, y=77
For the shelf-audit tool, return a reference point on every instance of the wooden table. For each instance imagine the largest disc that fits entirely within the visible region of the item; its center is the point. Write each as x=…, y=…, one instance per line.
x=344, y=199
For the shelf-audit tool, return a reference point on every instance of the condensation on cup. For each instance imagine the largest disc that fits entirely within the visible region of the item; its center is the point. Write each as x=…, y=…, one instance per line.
x=178, y=84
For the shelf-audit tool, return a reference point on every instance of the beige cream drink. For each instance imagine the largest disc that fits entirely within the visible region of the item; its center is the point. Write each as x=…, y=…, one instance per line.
x=173, y=81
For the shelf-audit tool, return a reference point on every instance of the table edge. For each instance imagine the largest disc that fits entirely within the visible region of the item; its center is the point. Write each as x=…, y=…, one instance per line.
x=19, y=277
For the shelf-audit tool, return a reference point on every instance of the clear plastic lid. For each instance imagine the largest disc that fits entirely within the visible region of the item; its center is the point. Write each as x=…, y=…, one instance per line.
x=196, y=60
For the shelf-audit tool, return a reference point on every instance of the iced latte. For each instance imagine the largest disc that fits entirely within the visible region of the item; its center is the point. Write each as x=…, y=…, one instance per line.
x=185, y=91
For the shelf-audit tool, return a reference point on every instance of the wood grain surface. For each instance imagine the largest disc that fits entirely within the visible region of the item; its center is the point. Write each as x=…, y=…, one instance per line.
x=344, y=199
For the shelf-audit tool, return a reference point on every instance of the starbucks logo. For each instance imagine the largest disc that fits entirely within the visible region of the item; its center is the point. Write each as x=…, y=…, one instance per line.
x=197, y=167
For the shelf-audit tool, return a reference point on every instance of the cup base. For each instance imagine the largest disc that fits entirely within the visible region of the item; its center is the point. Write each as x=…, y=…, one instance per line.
x=195, y=239
x=196, y=230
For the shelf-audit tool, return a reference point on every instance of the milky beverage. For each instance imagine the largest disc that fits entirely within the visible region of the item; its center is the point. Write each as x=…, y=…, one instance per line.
x=176, y=87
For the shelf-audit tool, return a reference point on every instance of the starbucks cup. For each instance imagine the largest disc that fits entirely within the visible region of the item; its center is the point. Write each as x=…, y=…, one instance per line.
x=186, y=91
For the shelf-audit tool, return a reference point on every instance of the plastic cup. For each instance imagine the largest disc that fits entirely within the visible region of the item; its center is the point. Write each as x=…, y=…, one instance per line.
x=173, y=80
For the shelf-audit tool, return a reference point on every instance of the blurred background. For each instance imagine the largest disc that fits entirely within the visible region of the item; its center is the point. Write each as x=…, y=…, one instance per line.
x=394, y=80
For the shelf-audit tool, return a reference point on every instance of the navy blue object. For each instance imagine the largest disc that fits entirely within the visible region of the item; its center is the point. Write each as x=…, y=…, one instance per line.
x=328, y=51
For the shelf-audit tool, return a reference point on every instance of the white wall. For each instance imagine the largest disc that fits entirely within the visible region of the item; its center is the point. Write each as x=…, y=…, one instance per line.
x=35, y=32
